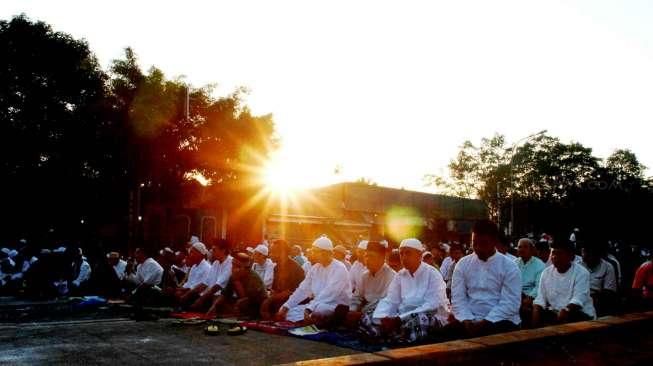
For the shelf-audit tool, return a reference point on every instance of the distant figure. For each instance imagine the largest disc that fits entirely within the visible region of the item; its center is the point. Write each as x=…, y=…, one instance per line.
x=146, y=280
x=81, y=272
x=298, y=255
x=564, y=292
x=340, y=253
x=263, y=266
x=427, y=258
x=603, y=280
x=358, y=267
x=394, y=260
x=455, y=254
x=543, y=251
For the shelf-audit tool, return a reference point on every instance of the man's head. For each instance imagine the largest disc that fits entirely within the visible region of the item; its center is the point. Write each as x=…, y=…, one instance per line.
x=296, y=251
x=240, y=265
x=427, y=258
x=591, y=254
x=340, y=253
x=438, y=253
x=485, y=237
x=197, y=254
x=410, y=251
x=361, y=250
x=279, y=251
x=140, y=255
x=374, y=256
x=543, y=249
x=220, y=249
x=113, y=258
x=322, y=251
x=562, y=255
x=525, y=249
x=456, y=252
x=394, y=260
x=260, y=254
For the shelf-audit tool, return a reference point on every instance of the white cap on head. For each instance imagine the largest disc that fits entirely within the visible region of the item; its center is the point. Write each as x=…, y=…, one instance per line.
x=362, y=245
x=426, y=254
x=324, y=243
x=193, y=239
x=384, y=243
x=249, y=250
x=200, y=247
x=261, y=248
x=412, y=243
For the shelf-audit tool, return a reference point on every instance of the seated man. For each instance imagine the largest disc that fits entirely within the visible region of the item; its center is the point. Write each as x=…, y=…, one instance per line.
x=196, y=279
x=287, y=276
x=394, y=260
x=564, y=292
x=416, y=302
x=455, y=254
x=373, y=285
x=603, y=280
x=358, y=267
x=146, y=280
x=217, y=277
x=81, y=271
x=244, y=292
x=263, y=266
x=642, y=288
x=327, y=286
x=486, y=287
x=531, y=268
x=297, y=254
x=340, y=253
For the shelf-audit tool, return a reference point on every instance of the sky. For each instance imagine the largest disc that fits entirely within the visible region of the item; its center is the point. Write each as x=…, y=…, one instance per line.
x=389, y=90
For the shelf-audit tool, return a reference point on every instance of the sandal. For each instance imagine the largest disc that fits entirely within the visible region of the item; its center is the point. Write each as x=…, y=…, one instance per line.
x=237, y=330
x=212, y=330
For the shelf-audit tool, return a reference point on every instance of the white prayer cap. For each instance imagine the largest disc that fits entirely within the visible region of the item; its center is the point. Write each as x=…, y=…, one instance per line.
x=324, y=243
x=426, y=254
x=446, y=247
x=384, y=243
x=249, y=250
x=59, y=250
x=261, y=248
x=193, y=239
x=200, y=247
x=412, y=243
x=363, y=244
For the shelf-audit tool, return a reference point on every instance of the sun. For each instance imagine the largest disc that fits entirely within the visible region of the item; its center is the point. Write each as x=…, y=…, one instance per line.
x=279, y=178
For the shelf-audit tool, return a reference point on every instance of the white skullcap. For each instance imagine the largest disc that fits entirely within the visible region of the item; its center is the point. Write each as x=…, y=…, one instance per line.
x=200, y=247
x=193, y=239
x=426, y=253
x=412, y=243
x=362, y=245
x=384, y=243
x=446, y=247
x=323, y=243
x=249, y=250
x=261, y=248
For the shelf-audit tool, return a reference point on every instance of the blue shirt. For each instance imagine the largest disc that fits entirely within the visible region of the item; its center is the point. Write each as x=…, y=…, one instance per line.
x=530, y=275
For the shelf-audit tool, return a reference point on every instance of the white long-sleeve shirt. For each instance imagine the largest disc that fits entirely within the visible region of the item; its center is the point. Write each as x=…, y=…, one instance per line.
x=84, y=273
x=557, y=290
x=356, y=274
x=265, y=271
x=444, y=267
x=198, y=274
x=119, y=268
x=602, y=277
x=149, y=272
x=372, y=287
x=327, y=286
x=220, y=273
x=408, y=294
x=489, y=290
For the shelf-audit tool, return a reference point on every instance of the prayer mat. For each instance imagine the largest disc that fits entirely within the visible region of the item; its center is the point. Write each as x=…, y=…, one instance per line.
x=270, y=327
x=187, y=315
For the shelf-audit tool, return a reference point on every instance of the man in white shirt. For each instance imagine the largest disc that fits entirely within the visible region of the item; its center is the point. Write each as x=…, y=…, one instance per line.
x=118, y=265
x=340, y=253
x=486, y=287
x=373, y=285
x=564, y=292
x=358, y=267
x=263, y=266
x=196, y=280
x=217, y=277
x=416, y=303
x=455, y=254
x=603, y=280
x=81, y=271
x=146, y=279
x=327, y=286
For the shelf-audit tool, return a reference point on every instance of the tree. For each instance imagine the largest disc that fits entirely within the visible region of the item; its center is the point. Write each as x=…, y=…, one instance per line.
x=52, y=100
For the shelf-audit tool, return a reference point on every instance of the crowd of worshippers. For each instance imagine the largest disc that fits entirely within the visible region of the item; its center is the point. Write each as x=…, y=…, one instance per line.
x=402, y=295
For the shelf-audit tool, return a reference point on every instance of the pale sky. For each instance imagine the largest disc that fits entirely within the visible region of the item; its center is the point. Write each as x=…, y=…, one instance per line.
x=390, y=89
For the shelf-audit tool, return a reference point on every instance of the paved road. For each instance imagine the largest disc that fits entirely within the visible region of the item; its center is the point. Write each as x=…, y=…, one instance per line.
x=165, y=341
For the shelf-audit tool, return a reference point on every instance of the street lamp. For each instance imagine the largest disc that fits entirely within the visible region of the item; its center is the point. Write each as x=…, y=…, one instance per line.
x=512, y=193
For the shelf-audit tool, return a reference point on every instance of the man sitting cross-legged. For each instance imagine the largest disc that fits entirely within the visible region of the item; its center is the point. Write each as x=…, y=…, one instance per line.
x=373, y=285
x=244, y=292
x=288, y=274
x=326, y=285
x=217, y=277
x=416, y=302
x=564, y=292
x=195, y=281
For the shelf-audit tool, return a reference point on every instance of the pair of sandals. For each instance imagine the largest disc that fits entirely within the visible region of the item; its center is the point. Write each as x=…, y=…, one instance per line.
x=213, y=329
